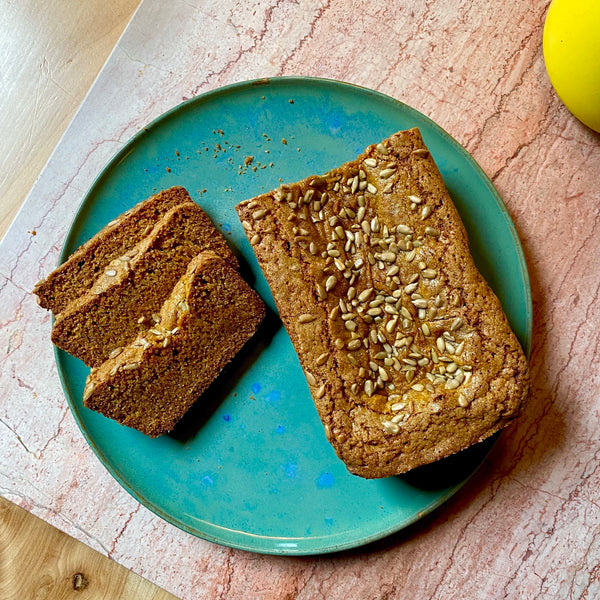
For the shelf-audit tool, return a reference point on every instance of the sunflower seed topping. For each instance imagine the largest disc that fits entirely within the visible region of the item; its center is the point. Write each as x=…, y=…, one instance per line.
x=322, y=359
x=306, y=318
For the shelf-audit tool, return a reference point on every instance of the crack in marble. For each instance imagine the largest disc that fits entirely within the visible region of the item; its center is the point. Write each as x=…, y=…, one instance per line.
x=141, y=62
x=312, y=25
x=494, y=486
x=19, y=439
x=56, y=434
x=228, y=575
x=256, y=39
x=122, y=530
x=506, y=70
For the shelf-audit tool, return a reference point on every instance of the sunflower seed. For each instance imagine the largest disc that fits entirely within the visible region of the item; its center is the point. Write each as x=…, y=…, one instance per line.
x=322, y=359
x=391, y=325
x=310, y=378
x=115, y=352
x=330, y=283
x=452, y=384
x=130, y=366
x=456, y=324
x=371, y=188
x=390, y=427
x=306, y=318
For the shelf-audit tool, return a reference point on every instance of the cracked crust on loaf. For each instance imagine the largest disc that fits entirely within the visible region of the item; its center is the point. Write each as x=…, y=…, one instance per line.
x=406, y=350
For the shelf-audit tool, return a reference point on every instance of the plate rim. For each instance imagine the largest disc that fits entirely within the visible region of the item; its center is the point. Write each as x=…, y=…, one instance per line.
x=120, y=155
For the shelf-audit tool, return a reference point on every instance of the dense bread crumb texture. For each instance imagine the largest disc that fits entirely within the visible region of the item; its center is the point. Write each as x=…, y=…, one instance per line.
x=406, y=350
x=126, y=297
x=82, y=268
x=150, y=384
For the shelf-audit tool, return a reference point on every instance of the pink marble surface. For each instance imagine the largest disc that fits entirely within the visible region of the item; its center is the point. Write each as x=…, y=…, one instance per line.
x=527, y=525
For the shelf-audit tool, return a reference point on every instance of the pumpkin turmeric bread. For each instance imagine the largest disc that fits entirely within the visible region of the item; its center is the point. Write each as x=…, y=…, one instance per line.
x=150, y=384
x=126, y=297
x=78, y=273
x=406, y=350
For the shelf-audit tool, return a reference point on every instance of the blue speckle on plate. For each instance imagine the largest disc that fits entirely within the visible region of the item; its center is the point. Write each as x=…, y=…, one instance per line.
x=208, y=481
x=328, y=521
x=226, y=227
x=290, y=469
x=255, y=387
x=274, y=396
x=280, y=429
x=227, y=418
x=325, y=480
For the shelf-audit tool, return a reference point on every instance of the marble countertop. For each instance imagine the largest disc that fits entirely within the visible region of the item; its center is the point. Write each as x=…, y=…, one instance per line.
x=527, y=525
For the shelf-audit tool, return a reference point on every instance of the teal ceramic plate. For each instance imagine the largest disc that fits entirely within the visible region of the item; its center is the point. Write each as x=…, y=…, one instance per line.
x=249, y=466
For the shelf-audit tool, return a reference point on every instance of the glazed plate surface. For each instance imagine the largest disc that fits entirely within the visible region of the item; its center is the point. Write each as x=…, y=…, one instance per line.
x=249, y=466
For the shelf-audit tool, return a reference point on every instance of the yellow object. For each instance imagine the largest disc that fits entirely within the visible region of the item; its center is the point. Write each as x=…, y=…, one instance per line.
x=572, y=55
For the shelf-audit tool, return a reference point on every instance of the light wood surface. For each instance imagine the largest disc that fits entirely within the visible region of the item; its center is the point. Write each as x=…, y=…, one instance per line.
x=39, y=561
x=50, y=54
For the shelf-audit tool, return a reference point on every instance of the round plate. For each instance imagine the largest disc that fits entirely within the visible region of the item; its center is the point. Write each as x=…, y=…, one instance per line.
x=249, y=466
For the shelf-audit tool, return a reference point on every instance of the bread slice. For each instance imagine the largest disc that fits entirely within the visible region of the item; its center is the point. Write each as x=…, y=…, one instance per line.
x=406, y=350
x=151, y=384
x=122, y=301
x=81, y=269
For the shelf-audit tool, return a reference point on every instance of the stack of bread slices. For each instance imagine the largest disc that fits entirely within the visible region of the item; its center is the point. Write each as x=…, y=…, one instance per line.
x=155, y=305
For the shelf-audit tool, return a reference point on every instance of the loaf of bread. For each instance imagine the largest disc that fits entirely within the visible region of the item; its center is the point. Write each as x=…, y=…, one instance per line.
x=126, y=297
x=151, y=383
x=79, y=272
x=406, y=350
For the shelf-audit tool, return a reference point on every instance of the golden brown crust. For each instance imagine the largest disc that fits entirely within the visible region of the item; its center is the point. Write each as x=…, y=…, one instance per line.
x=122, y=301
x=150, y=384
x=80, y=270
x=407, y=352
